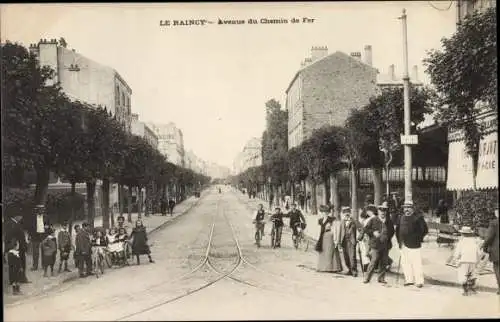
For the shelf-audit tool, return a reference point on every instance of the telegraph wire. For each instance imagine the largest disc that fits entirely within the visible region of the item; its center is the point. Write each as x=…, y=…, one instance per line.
x=440, y=9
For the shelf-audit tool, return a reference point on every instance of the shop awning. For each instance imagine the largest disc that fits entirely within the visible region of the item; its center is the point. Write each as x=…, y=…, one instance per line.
x=460, y=165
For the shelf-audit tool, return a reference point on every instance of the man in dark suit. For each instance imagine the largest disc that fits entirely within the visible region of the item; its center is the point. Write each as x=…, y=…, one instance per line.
x=380, y=233
x=349, y=241
x=491, y=246
x=83, y=250
x=14, y=232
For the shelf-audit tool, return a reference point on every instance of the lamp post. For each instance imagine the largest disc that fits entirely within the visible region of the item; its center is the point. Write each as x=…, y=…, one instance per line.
x=407, y=139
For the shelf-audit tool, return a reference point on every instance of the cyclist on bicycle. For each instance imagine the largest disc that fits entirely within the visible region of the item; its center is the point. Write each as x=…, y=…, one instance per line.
x=259, y=219
x=277, y=220
x=296, y=219
x=99, y=242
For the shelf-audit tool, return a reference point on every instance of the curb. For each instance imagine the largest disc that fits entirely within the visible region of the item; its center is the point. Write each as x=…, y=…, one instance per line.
x=166, y=223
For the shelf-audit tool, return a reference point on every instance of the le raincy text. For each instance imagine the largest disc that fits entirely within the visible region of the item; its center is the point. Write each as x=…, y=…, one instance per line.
x=202, y=22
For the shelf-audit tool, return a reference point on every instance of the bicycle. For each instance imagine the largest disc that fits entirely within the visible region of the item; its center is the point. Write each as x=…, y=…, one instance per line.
x=274, y=235
x=98, y=261
x=299, y=240
x=258, y=234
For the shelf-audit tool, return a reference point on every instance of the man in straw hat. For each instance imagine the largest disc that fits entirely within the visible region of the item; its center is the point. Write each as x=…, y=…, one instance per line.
x=349, y=241
x=410, y=232
x=467, y=254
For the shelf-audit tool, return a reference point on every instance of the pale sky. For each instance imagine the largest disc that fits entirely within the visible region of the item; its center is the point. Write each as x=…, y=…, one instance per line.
x=213, y=80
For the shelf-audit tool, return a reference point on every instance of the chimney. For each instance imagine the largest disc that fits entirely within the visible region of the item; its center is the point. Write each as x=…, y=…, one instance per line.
x=356, y=55
x=135, y=117
x=318, y=52
x=392, y=76
x=415, y=74
x=368, y=55
x=307, y=61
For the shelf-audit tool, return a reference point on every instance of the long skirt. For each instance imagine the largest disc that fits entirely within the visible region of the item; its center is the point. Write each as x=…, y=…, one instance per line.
x=363, y=247
x=325, y=258
x=337, y=262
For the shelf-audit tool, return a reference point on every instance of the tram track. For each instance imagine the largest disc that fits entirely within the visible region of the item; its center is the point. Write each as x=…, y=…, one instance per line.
x=210, y=257
x=207, y=260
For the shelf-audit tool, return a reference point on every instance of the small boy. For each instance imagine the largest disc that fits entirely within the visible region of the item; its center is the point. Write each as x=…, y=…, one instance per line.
x=467, y=254
x=75, y=258
x=64, y=241
x=277, y=220
x=49, y=247
x=15, y=267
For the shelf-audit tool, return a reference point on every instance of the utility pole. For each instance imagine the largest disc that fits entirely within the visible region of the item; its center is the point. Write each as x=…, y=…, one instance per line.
x=407, y=139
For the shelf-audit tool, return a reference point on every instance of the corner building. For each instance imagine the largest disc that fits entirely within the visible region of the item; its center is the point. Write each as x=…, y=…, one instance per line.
x=325, y=89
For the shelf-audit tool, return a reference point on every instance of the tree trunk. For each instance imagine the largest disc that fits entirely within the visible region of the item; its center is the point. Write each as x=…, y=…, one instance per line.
x=354, y=192
x=105, y=202
x=72, y=216
x=139, y=201
x=91, y=185
x=326, y=191
x=121, y=198
x=129, y=210
x=304, y=186
x=334, y=191
x=292, y=188
x=378, y=186
x=42, y=185
x=314, y=198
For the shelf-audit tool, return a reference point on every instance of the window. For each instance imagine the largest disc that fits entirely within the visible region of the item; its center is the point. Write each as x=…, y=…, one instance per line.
x=123, y=99
x=117, y=95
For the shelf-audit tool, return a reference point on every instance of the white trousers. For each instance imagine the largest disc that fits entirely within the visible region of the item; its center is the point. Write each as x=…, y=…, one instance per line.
x=465, y=269
x=411, y=261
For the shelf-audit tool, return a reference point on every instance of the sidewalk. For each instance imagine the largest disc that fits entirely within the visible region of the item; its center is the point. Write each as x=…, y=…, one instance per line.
x=434, y=256
x=40, y=284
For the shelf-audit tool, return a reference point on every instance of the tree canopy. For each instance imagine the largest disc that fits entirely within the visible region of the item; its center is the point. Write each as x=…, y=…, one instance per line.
x=464, y=73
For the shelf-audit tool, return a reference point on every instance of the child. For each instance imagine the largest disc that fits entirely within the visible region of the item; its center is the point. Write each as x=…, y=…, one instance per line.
x=64, y=240
x=277, y=220
x=75, y=258
x=49, y=248
x=15, y=268
x=467, y=254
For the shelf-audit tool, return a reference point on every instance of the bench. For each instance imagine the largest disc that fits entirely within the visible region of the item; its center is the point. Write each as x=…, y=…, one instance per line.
x=445, y=233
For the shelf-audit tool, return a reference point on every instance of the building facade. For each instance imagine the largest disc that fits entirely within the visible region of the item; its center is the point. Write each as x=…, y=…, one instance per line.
x=85, y=80
x=170, y=142
x=142, y=129
x=250, y=156
x=465, y=7
x=325, y=89
x=195, y=163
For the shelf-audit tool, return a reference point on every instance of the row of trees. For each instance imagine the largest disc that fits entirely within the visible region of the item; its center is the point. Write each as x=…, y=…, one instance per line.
x=463, y=73
x=44, y=131
x=330, y=149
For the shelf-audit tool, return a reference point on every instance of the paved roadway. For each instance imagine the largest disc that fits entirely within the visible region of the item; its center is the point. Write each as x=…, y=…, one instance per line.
x=208, y=268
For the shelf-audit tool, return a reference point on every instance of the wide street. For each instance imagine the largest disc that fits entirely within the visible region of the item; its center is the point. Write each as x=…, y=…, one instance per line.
x=207, y=267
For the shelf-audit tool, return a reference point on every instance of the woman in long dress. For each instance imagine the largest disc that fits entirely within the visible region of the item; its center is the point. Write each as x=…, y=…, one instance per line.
x=338, y=235
x=325, y=244
x=363, y=244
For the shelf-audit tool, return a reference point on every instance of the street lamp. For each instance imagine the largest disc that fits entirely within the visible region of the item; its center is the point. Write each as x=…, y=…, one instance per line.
x=407, y=139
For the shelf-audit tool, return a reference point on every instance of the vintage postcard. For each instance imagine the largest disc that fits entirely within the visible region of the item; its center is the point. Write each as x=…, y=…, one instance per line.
x=250, y=161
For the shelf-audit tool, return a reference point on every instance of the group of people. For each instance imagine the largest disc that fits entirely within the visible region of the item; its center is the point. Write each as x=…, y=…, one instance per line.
x=86, y=241
x=369, y=240
x=296, y=217
x=167, y=206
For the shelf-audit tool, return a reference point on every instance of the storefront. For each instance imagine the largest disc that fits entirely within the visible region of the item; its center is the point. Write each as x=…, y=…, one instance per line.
x=460, y=176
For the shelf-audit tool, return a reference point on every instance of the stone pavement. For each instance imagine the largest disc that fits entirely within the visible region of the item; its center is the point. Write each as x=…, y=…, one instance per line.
x=434, y=256
x=40, y=284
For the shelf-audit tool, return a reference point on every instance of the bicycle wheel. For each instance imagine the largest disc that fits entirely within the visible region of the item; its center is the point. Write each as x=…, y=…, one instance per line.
x=96, y=266
x=107, y=258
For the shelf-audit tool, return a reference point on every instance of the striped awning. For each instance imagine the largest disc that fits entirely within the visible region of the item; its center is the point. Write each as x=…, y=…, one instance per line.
x=460, y=165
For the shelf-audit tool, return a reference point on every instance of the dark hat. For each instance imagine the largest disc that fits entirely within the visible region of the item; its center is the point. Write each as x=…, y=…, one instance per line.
x=324, y=208
x=372, y=208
